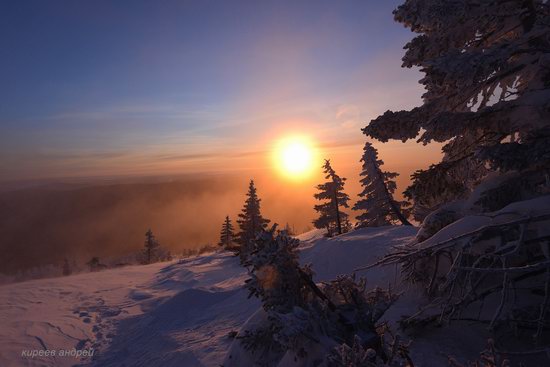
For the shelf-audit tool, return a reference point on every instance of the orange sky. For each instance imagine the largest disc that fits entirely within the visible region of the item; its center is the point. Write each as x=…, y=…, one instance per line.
x=188, y=89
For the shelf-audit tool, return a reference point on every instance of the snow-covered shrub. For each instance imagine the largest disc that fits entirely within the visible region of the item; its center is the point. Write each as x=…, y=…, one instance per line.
x=354, y=356
x=277, y=279
x=38, y=272
x=276, y=276
x=357, y=307
x=207, y=249
x=357, y=355
x=491, y=267
x=95, y=265
x=303, y=321
x=496, y=191
x=488, y=357
x=439, y=219
x=508, y=188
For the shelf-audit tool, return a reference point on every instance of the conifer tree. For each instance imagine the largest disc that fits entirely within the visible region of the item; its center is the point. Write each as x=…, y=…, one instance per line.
x=250, y=221
x=332, y=192
x=151, y=246
x=227, y=235
x=377, y=201
x=289, y=230
x=487, y=98
x=94, y=263
x=276, y=275
x=299, y=312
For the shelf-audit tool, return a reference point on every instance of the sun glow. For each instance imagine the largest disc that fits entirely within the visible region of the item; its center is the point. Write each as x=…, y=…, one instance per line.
x=295, y=157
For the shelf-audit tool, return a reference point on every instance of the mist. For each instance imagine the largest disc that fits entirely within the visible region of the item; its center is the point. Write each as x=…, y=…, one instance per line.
x=77, y=220
x=45, y=225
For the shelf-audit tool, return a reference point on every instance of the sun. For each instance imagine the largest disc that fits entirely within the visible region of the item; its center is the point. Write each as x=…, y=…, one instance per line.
x=295, y=156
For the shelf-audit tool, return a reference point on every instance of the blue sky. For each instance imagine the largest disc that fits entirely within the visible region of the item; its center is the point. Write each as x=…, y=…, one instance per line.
x=145, y=87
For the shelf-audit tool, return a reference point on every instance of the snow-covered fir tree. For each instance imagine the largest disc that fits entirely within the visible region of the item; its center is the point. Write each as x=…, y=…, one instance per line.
x=250, y=221
x=275, y=273
x=377, y=202
x=227, y=235
x=151, y=247
x=302, y=319
x=94, y=264
x=289, y=230
x=487, y=81
x=334, y=197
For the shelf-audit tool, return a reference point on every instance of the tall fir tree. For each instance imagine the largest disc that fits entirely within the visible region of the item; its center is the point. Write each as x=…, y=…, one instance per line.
x=151, y=246
x=227, y=235
x=377, y=203
x=334, y=197
x=487, y=82
x=250, y=221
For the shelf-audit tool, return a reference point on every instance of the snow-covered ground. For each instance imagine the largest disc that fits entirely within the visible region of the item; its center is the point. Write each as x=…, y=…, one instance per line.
x=181, y=313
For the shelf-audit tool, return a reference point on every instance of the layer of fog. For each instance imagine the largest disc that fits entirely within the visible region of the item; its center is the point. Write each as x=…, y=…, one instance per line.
x=45, y=225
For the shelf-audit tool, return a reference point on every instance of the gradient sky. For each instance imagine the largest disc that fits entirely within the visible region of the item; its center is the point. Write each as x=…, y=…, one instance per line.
x=100, y=88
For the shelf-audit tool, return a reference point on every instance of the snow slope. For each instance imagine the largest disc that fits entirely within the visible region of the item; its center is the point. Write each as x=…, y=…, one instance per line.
x=161, y=314
x=180, y=313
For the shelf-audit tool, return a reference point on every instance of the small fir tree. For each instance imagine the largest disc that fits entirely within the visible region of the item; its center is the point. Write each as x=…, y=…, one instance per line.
x=377, y=202
x=227, y=235
x=151, y=247
x=298, y=311
x=289, y=230
x=347, y=225
x=94, y=263
x=332, y=192
x=250, y=221
x=275, y=273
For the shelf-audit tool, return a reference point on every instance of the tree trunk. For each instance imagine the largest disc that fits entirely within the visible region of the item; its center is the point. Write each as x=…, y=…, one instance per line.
x=389, y=197
x=400, y=215
x=338, y=224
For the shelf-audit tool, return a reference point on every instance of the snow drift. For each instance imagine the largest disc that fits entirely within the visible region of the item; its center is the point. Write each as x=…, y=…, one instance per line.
x=187, y=313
